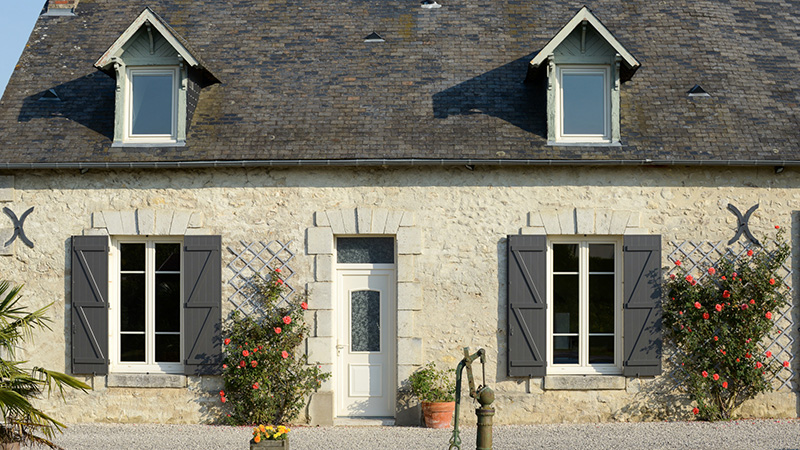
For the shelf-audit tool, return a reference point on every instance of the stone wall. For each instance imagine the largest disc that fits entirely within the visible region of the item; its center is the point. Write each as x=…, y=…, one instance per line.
x=451, y=267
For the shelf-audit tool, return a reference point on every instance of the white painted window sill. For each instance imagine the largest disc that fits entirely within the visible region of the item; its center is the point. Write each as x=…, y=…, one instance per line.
x=583, y=382
x=145, y=380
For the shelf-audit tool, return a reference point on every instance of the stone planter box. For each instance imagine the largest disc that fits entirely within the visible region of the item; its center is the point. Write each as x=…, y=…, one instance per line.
x=271, y=445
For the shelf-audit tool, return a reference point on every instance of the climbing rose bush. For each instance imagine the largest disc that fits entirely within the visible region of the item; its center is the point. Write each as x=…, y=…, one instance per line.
x=266, y=380
x=719, y=325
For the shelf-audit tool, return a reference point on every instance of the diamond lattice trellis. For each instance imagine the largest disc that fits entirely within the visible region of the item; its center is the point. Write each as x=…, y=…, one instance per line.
x=251, y=264
x=696, y=257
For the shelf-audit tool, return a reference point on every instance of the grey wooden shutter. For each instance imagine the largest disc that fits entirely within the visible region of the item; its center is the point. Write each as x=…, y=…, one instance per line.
x=642, y=307
x=89, y=305
x=202, y=290
x=527, y=281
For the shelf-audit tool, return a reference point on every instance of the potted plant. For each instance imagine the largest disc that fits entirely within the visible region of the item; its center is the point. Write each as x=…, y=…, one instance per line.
x=18, y=386
x=435, y=389
x=270, y=437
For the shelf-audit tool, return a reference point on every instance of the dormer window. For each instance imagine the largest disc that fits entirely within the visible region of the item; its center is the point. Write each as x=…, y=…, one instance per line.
x=158, y=83
x=585, y=65
x=152, y=104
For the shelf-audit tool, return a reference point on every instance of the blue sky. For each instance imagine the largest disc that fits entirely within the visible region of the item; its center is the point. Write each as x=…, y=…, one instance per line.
x=16, y=22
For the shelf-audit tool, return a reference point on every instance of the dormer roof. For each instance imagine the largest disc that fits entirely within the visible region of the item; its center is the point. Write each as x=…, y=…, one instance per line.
x=148, y=16
x=585, y=15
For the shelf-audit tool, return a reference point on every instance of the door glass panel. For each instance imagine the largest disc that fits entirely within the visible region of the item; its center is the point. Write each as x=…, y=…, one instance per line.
x=601, y=303
x=152, y=104
x=365, y=321
x=168, y=302
x=132, y=290
x=365, y=250
x=601, y=349
x=168, y=347
x=565, y=349
x=583, y=105
x=132, y=347
x=601, y=257
x=168, y=257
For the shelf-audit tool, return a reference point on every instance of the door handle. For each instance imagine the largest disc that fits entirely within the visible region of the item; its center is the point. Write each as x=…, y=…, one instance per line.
x=339, y=348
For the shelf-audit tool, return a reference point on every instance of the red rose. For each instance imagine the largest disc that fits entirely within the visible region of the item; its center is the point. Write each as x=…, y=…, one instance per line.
x=744, y=306
x=255, y=385
x=706, y=316
x=735, y=274
x=777, y=227
x=726, y=294
x=723, y=352
x=704, y=374
x=254, y=363
x=245, y=353
x=748, y=355
x=287, y=320
x=786, y=364
x=285, y=354
x=280, y=281
x=723, y=277
x=752, y=301
x=768, y=315
x=718, y=307
x=304, y=305
x=697, y=305
x=737, y=359
x=695, y=411
x=224, y=366
x=277, y=330
x=712, y=271
x=222, y=393
x=769, y=354
x=672, y=276
x=226, y=341
x=689, y=278
x=772, y=281
x=223, y=399
x=724, y=385
x=680, y=313
x=693, y=282
x=716, y=338
x=242, y=363
x=758, y=364
x=278, y=270
x=678, y=262
x=749, y=253
x=715, y=377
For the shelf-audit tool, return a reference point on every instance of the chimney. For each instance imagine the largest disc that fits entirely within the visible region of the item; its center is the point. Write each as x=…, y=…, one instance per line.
x=61, y=7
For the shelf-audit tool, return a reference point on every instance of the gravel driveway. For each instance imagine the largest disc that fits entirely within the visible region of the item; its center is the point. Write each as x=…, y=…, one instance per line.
x=746, y=434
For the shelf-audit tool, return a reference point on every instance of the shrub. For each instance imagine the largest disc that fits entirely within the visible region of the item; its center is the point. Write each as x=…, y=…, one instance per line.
x=18, y=386
x=719, y=325
x=430, y=384
x=266, y=381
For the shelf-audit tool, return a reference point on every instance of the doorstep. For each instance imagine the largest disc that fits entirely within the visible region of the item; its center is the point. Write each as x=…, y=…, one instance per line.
x=363, y=422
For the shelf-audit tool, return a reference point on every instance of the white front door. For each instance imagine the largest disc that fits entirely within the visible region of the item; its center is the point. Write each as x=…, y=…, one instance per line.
x=366, y=341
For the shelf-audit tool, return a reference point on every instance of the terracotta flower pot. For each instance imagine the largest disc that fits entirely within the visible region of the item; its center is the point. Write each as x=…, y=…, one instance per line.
x=438, y=414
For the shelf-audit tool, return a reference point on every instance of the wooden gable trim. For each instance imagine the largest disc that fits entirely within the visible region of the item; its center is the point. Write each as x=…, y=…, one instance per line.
x=584, y=14
x=147, y=16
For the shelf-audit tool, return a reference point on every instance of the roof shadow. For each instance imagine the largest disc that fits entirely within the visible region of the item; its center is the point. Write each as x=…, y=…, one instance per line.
x=88, y=100
x=508, y=92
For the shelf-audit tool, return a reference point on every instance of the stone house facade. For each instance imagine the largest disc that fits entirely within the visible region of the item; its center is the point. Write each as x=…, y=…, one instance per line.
x=423, y=182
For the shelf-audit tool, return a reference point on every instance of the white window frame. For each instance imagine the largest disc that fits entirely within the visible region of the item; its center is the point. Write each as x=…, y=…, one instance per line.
x=583, y=367
x=171, y=138
x=114, y=320
x=603, y=70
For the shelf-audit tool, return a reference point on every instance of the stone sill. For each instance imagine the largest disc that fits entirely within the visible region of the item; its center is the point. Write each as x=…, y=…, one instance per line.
x=584, y=382
x=144, y=380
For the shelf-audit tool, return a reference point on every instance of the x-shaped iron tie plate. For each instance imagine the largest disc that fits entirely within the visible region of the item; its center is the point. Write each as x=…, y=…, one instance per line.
x=743, y=224
x=18, y=224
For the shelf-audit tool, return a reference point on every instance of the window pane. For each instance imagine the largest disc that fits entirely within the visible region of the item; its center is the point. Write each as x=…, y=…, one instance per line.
x=132, y=347
x=168, y=302
x=152, y=104
x=365, y=250
x=132, y=302
x=132, y=257
x=365, y=321
x=601, y=349
x=565, y=349
x=168, y=257
x=565, y=303
x=583, y=103
x=168, y=348
x=565, y=257
x=601, y=303
x=601, y=257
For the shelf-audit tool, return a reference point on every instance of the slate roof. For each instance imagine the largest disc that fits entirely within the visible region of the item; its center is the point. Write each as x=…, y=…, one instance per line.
x=298, y=82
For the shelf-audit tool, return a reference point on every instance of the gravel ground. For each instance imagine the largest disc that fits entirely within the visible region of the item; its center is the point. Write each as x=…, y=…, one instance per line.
x=745, y=434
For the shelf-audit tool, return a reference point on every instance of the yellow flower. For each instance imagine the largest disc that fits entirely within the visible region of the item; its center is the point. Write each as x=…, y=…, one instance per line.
x=261, y=427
